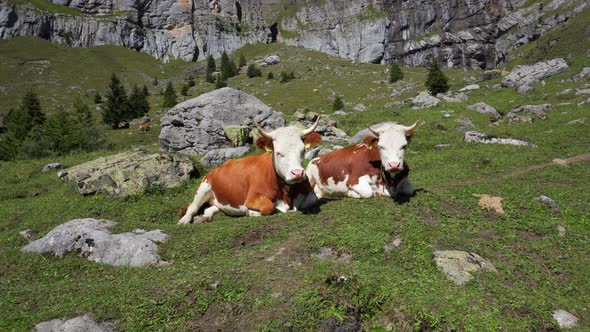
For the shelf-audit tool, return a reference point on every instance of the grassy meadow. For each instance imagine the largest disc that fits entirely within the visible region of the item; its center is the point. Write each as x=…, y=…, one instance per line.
x=261, y=273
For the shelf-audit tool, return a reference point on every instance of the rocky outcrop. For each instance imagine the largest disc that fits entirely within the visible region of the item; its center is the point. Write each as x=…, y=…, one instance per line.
x=465, y=33
x=195, y=126
x=92, y=240
x=484, y=108
x=129, y=173
x=219, y=156
x=475, y=137
x=459, y=266
x=526, y=75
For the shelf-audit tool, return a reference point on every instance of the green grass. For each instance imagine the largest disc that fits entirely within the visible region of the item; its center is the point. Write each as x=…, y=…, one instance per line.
x=48, y=7
x=215, y=282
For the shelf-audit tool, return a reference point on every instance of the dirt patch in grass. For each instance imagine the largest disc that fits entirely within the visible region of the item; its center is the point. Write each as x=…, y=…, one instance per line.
x=529, y=235
x=426, y=216
x=256, y=235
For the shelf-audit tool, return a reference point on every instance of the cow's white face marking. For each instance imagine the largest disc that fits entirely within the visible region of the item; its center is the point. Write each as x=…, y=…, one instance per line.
x=288, y=152
x=393, y=139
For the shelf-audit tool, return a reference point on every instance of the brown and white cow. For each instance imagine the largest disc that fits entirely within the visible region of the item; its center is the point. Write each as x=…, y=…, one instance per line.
x=374, y=167
x=259, y=184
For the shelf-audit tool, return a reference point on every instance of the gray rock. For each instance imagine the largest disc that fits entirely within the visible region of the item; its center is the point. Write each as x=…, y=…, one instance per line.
x=358, y=137
x=448, y=97
x=333, y=131
x=577, y=121
x=395, y=243
x=459, y=266
x=470, y=87
x=584, y=102
x=582, y=92
x=237, y=135
x=472, y=136
x=219, y=156
x=312, y=153
x=325, y=150
x=359, y=108
x=524, y=89
x=484, y=108
x=272, y=59
x=92, y=240
x=139, y=121
x=332, y=254
x=52, y=167
x=196, y=126
x=130, y=173
x=395, y=94
x=549, y=202
x=564, y=319
x=26, y=234
x=561, y=231
x=565, y=92
x=77, y=324
x=581, y=76
x=520, y=119
x=526, y=75
x=537, y=110
x=441, y=146
x=422, y=102
x=464, y=124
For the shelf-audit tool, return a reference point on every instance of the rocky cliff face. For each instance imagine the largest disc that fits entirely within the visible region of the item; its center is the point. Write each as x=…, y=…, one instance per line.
x=458, y=33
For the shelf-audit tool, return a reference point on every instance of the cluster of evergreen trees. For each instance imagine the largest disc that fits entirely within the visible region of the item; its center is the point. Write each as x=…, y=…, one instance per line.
x=119, y=107
x=227, y=69
x=436, y=82
x=32, y=134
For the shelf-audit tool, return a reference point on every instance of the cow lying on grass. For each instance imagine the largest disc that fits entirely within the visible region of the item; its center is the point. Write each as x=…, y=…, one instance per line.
x=374, y=167
x=259, y=184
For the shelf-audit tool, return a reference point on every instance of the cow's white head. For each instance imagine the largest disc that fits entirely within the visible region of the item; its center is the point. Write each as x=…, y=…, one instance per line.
x=288, y=146
x=392, y=141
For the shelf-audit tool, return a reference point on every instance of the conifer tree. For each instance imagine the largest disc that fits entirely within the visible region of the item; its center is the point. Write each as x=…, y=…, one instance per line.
x=97, y=98
x=138, y=105
x=338, y=103
x=184, y=90
x=242, y=62
x=270, y=76
x=89, y=135
x=227, y=67
x=253, y=71
x=169, y=96
x=210, y=69
x=145, y=91
x=395, y=73
x=220, y=83
x=116, y=106
x=436, y=82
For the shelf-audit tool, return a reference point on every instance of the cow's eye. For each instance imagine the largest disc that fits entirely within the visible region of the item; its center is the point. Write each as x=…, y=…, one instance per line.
x=280, y=155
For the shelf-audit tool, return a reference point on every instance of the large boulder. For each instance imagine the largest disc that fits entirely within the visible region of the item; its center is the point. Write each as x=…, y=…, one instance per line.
x=77, y=324
x=424, y=101
x=195, y=126
x=129, y=173
x=219, y=156
x=92, y=240
x=538, y=110
x=525, y=75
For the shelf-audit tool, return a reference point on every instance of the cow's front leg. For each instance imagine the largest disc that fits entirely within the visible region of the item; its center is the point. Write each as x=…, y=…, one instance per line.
x=363, y=189
x=207, y=215
x=260, y=204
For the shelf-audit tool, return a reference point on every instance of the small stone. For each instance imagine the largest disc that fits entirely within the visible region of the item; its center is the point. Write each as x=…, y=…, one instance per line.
x=80, y=323
x=484, y=108
x=578, y=121
x=564, y=319
x=395, y=243
x=565, y=92
x=470, y=87
x=561, y=231
x=441, y=146
x=395, y=94
x=549, y=202
x=27, y=234
x=312, y=153
x=473, y=136
x=458, y=266
x=52, y=167
x=524, y=89
x=359, y=108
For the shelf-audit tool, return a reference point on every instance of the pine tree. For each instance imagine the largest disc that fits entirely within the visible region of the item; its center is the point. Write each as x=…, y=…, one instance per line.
x=138, y=105
x=338, y=103
x=145, y=91
x=184, y=90
x=36, y=144
x=20, y=121
x=270, y=76
x=220, y=83
x=97, y=98
x=242, y=62
x=60, y=132
x=155, y=82
x=190, y=82
x=169, y=96
x=89, y=135
x=116, y=106
x=395, y=73
x=210, y=69
x=227, y=67
x=436, y=82
x=30, y=104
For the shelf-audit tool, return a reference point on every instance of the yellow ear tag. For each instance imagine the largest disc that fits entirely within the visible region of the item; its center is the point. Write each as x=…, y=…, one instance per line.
x=307, y=145
x=369, y=146
x=267, y=149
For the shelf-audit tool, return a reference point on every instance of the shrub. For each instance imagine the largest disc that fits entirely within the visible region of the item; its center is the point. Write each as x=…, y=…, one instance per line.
x=286, y=77
x=270, y=76
x=253, y=71
x=97, y=98
x=395, y=73
x=436, y=82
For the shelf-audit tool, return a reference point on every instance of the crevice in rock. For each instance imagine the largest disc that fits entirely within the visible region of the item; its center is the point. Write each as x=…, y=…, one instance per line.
x=274, y=32
x=239, y=11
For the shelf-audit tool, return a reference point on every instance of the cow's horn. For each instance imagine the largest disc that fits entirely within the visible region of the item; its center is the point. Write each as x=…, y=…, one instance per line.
x=312, y=128
x=374, y=131
x=262, y=132
x=412, y=126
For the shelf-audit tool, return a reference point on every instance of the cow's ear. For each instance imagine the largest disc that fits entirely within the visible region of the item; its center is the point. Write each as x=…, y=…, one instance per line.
x=312, y=139
x=264, y=143
x=370, y=141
